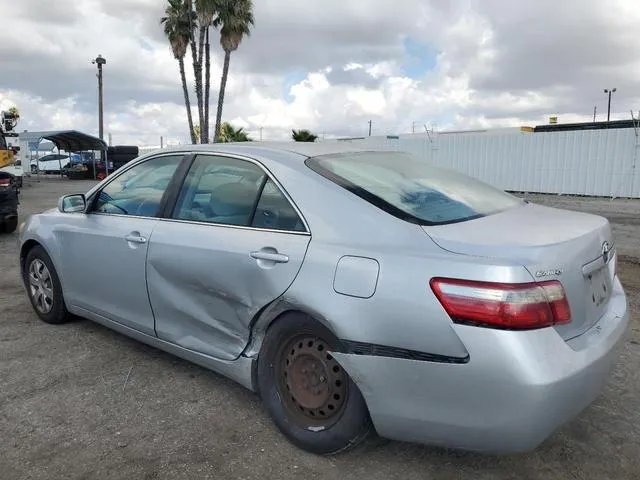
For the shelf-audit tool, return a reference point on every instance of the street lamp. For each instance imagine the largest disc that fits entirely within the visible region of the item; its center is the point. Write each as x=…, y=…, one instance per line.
x=100, y=61
x=609, y=91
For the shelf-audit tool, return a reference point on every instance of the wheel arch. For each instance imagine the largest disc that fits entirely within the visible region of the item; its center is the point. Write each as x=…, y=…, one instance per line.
x=29, y=245
x=265, y=319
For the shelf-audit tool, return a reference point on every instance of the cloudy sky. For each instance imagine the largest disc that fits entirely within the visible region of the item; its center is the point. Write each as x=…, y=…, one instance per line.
x=328, y=66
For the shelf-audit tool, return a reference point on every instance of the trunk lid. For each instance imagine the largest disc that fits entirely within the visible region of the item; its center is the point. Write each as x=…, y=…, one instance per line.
x=551, y=244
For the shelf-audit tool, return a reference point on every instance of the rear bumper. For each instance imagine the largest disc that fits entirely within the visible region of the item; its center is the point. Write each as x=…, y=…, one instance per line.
x=516, y=390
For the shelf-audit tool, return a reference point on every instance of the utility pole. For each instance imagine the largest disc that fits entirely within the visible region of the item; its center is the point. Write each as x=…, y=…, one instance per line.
x=260, y=133
x=594, y=113
x=609, y=91
x=100, y=61
x=369, y=127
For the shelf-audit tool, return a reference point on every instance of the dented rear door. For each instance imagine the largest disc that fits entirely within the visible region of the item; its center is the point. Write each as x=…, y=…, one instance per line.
x=206, y=282
x=234, y=242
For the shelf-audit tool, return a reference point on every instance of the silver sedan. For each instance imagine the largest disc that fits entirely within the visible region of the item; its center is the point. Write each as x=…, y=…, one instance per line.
x=356, y=291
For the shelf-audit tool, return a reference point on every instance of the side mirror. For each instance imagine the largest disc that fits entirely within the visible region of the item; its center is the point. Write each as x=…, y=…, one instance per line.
x=74, y=203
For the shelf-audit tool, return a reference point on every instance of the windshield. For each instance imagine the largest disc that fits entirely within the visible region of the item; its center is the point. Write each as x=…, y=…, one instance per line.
x=412, y=189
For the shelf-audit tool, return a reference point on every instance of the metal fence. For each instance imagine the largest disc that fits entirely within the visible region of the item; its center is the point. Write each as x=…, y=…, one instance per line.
x=583, y=162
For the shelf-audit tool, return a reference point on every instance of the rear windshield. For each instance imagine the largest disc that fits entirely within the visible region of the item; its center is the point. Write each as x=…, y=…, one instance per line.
x=412, y=189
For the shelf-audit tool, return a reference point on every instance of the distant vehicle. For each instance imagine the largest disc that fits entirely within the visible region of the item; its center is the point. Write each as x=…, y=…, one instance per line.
x=87, y=170
x=353, y=290
x=54, y=162
x=9, y=191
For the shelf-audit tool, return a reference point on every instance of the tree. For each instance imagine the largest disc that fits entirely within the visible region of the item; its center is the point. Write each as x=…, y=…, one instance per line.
x=230, y=134
x=177, y=29
x=235, y=19
x=205, y=11
x=14, y=112
x=303, y=136
x=197, y=133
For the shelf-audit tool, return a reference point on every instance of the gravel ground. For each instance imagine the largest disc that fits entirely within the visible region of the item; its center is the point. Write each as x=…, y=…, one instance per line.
x=81, y=402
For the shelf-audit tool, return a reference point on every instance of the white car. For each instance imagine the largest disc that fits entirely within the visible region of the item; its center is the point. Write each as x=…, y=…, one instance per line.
x=53, y=162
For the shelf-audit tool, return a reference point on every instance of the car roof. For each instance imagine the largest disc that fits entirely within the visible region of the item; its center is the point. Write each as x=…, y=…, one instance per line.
x=304, y=149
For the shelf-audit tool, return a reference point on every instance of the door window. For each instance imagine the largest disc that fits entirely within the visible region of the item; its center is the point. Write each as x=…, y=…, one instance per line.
x=275, y=212
x=220, y=190
x=139, y=190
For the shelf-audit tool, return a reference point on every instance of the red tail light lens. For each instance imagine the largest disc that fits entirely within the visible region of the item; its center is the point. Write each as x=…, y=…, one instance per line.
x=503, y=305
x=5, y=182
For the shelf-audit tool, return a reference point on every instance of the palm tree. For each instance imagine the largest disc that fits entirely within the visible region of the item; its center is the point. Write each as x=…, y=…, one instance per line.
x=235, y=19
x=205, y=10
x=303, y=136
x=178, y=31
x=197, y=66
x=230, y=134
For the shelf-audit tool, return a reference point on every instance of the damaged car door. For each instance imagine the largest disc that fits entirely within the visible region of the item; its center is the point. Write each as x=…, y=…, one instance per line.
x=234, y=242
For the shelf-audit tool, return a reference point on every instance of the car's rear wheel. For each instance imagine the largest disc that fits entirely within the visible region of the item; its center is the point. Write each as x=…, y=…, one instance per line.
x=43, y=287
x=310, y=398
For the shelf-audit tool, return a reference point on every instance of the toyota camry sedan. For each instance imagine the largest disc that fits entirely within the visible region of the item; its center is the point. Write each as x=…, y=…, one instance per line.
x=356, y=291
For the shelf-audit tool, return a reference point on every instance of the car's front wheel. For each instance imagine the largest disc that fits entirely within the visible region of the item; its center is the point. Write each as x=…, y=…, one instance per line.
x=310, y=398
x=43, y=287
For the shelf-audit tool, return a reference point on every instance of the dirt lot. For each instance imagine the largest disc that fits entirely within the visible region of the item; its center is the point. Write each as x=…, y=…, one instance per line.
x=81, y=402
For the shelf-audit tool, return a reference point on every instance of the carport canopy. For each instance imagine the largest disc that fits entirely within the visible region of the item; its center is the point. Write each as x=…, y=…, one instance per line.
x=67, y=140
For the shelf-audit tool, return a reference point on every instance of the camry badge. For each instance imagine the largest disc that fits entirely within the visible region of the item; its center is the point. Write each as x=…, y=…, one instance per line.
x=549, y=273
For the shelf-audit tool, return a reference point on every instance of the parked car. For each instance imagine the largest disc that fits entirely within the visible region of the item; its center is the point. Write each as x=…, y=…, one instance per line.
x=355, y=291
x=87, y=170
x=9, y=200
x=54, y=162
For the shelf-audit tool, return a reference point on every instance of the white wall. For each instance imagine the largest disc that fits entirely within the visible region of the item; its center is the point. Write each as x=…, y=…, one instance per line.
x=587, y=162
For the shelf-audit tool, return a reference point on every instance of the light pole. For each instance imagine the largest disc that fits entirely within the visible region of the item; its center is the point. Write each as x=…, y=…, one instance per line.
x=609, y=91
x=100, y=61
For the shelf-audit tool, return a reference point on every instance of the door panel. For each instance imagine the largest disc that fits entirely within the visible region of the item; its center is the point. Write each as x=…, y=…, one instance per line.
x=208, y=271
x=104, y=270
x=206, y=285
x=104, y=252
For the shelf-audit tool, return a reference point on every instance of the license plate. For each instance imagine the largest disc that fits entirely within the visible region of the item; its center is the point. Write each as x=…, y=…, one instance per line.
x=599, y=286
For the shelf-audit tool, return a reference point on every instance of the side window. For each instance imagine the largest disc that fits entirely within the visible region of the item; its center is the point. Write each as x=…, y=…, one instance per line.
x=219, y=190
x=275, y=212
x=139, y=190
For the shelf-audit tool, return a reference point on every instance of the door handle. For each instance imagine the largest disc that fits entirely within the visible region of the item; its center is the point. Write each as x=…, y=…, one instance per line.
x=272, y=257
x=135, y=238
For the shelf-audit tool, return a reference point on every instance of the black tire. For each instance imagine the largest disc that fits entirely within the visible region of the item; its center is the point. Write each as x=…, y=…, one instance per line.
x=10, y=225
x=57, y=313
x=347, y=423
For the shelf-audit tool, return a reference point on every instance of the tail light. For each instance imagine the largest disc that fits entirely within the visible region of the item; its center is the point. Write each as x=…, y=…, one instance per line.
x=519, y=306
x=5, y=182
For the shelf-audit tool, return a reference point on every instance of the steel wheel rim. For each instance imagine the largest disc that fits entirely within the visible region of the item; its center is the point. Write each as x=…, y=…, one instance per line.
x=311, y=383
x=41, y=286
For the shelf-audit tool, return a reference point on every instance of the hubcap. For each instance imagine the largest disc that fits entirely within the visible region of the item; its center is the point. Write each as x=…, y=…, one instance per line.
x=311, y=382
x=41, y=286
